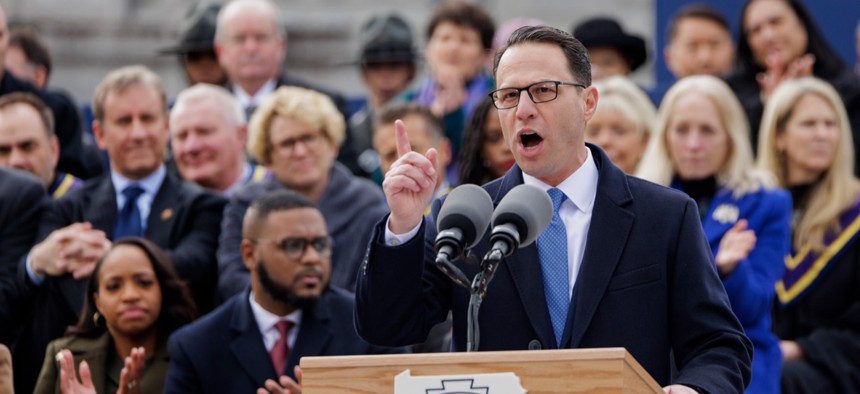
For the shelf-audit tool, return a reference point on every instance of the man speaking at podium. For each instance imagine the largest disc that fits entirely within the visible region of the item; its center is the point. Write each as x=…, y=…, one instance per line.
x=624, y=263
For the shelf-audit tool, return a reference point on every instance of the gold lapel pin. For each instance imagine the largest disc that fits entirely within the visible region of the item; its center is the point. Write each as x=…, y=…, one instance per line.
x=166, y=214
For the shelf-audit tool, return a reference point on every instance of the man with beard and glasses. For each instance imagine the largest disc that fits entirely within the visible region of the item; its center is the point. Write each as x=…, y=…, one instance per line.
x=256, y=339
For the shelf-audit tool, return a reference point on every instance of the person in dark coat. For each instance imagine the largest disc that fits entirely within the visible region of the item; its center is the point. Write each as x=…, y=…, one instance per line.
x=258, y=337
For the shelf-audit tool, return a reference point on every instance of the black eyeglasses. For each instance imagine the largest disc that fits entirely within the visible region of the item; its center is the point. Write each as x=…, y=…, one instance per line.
x=294, y=247
x=539, y=92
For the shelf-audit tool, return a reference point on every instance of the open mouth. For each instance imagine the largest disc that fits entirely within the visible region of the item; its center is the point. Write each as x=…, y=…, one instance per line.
x=530, y=140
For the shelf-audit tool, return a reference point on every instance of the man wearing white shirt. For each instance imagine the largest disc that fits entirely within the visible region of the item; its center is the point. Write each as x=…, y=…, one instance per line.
x=137, y=198
x=257, y=338
x=623, y=263
x=251, y=44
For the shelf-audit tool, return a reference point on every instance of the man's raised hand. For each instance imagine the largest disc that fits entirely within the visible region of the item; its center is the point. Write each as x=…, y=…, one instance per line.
x=409, y=184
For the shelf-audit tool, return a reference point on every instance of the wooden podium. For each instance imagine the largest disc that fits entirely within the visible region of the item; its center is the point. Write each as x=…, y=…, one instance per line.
x=608, y=370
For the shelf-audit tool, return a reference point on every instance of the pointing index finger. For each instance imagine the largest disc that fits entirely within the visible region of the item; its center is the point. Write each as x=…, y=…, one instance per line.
x=401, y=138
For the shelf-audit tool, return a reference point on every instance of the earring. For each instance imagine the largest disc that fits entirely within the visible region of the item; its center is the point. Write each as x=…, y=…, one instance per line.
x=96, y=317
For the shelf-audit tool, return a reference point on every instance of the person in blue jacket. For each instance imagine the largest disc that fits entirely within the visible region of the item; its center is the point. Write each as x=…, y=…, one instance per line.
x=701, y=146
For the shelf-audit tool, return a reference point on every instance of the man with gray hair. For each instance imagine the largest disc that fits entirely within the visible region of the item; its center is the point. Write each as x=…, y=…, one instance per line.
x=207, y=136
x=251, y=44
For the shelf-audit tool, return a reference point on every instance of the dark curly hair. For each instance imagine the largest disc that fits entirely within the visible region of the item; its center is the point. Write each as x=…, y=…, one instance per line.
x=177, y=306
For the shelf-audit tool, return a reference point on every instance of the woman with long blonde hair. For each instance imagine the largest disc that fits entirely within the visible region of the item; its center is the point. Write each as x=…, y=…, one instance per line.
x=700, y=145
x=806, y=142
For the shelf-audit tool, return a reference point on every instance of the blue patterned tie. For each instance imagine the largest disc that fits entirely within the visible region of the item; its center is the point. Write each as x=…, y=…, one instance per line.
x=552, y=250
x=128, y=222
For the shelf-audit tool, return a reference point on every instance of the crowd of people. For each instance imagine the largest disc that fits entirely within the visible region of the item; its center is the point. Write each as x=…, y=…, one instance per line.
x=207, y=242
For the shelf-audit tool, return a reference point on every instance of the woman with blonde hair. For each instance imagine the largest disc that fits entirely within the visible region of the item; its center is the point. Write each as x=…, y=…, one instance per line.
x=806, y=143
x=622, y=122
x=700, y=145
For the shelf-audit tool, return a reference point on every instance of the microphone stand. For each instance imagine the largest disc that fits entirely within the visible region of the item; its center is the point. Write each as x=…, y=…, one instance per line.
x=478, y=290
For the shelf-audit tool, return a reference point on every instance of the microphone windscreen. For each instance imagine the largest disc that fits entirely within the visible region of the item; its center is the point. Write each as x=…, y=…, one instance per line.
x=469, y=208
x=528, y=208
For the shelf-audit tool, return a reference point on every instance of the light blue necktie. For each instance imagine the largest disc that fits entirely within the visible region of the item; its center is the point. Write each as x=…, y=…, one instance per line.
x=552, y=250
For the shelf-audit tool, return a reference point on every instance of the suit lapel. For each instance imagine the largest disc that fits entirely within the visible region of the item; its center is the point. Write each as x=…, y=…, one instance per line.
x=524, y=268
x=607, y=235
x=314, y=335
x=94, y=351
x=247, y=345
x=163, y=211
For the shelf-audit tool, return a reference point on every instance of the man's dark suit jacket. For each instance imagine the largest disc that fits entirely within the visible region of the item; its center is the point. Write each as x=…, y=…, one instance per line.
x=184, y=220
x=223, y=352
x=647, y=283
x=22, y=201
x=76, y=158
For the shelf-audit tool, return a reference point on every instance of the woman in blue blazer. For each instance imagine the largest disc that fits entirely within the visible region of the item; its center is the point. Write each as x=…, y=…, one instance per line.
x=701, y=146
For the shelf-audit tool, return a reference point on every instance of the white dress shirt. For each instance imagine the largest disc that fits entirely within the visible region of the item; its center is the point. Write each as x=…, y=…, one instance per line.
x=266, y=323
x=150, y=186
x=580, y=189
x=246, y=100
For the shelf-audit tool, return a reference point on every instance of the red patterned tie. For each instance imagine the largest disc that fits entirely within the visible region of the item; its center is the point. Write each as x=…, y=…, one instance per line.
x=281, y=351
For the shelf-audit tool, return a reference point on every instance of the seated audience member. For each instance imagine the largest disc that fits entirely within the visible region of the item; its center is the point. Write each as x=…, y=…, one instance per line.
x=75, y=157
x=27, y=57
x=6, y=386
x=459, y=37
x=424, y=131
x=805, y=142
x=387, y=64
x=780, y=41
x=133, y=302
x=621, y=125
x=611, y=50
x=699, y=42
x=22, y=200
x=28, y=142
x=486, y=155
x=207, y=137
x=196, y=47
x=700, y=147
x=296, y=134
x=251, y=44
x=137, y=198
x=258, y=337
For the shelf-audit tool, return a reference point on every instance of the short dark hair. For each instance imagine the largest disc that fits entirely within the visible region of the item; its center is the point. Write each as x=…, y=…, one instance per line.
x=45, y=114
x=464, y=14
x=27, y=38
x=391, y=112
x=574, y=51
x=177, y=306
x=274, y=201
x=696, y=11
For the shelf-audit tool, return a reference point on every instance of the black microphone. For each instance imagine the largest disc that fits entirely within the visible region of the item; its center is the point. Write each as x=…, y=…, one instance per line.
x=520, y=217
x=463, y=220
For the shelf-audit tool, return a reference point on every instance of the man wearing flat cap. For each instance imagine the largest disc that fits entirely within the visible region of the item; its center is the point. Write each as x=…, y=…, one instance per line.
x=611, y=50
x=196, y=47
x=387, y=63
